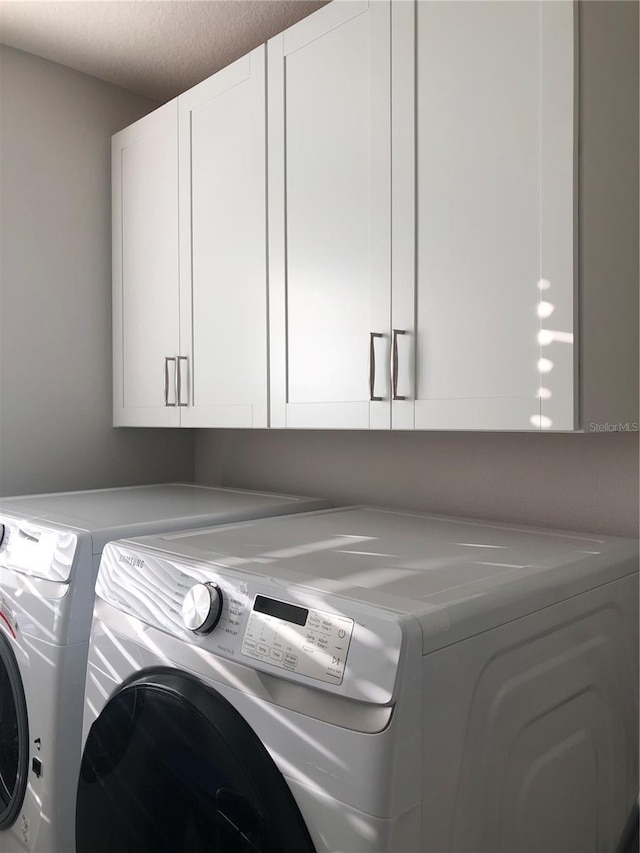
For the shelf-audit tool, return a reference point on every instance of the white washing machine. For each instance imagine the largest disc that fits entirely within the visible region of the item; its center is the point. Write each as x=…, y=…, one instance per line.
x=361, y=680
x=50, y=548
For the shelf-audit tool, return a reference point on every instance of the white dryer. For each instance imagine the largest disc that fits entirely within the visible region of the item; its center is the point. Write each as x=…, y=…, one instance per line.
x=50, y=548
x=361, y=681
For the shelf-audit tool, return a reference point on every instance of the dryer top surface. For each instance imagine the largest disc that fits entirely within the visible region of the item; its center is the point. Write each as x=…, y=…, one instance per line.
x=140, y=510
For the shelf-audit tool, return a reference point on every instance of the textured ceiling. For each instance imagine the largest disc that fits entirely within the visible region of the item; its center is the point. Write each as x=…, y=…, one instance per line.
x=157, y=48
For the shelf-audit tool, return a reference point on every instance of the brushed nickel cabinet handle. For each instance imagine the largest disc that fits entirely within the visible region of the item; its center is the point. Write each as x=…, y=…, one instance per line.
x=394, y=365
x=167, y=359
x=372, y=365
x=179, y=380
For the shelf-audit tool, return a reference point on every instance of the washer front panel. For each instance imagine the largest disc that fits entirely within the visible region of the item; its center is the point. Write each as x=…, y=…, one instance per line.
x=310, y=642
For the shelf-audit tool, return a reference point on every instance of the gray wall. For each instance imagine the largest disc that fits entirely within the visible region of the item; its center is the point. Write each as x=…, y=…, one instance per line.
x=585, y=482
x=55, y=287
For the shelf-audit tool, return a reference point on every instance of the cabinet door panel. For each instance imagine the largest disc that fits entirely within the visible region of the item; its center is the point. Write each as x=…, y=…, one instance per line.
x=145, y=269
x=475, y=413
x=329, y=168
x=223, y=246
x=559, y=407
x=494, y=160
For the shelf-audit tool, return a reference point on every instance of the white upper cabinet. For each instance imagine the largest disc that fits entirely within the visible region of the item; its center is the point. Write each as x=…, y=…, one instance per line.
x=223, y=251
x=483, y=177
x=145, y=270
x=330, y=218
x=373, y=223
x=190, y=250
x=421, y=181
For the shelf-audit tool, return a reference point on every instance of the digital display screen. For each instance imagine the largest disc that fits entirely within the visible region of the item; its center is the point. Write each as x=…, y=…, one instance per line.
x=281, y=610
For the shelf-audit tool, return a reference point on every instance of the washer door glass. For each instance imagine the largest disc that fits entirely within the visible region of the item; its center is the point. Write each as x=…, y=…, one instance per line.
x=14, y=737
x=171, y=767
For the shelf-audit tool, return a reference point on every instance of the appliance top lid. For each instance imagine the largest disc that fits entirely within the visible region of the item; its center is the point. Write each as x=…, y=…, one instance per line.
x=468, y=575
x=134, y=510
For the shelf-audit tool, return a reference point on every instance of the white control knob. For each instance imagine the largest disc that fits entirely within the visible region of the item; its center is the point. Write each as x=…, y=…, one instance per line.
x=202, y=607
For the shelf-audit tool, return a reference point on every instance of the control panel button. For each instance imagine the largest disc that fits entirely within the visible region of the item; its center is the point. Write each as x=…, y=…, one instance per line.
x=307, y=642
x=202, y=608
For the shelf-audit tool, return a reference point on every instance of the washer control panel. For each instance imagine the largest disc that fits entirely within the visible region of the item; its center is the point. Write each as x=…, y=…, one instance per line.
x=32, y=549
x=340, y=645
x=310, y=642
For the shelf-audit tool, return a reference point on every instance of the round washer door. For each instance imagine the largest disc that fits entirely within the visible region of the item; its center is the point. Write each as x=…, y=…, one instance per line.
x=14, y=737
x=171, y=767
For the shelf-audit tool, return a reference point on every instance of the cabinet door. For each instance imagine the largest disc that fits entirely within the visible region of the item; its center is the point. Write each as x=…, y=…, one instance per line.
x=145, y=270
x=329, y=218
x=493, y=134
x=223, y=251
